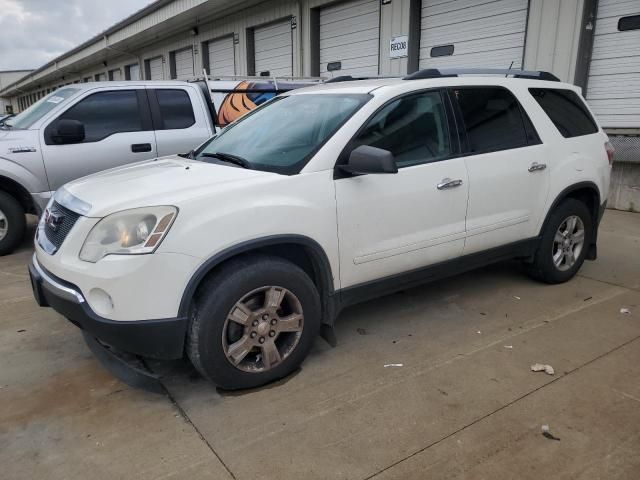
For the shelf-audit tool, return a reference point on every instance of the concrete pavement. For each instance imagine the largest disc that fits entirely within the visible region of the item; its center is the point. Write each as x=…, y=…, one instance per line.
x=464, y=404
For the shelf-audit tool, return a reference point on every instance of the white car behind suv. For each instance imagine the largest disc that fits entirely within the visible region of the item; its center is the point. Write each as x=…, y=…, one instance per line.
x=321, y=198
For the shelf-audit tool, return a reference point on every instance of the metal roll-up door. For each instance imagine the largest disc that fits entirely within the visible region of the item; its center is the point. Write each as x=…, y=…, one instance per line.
x=184, y=64
x=101, y=77
x=350, y=38
x=155, y=69
x=613, y=88
x=273, y=49
x=134, y=72
x=222, y=59
x=472, y=33
x=115, y=75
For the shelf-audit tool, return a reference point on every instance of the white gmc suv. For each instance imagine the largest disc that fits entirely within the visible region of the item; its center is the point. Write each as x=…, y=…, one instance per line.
x=237, y=254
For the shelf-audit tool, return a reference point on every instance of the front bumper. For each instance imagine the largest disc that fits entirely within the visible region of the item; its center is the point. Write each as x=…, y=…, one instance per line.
x=161, y=339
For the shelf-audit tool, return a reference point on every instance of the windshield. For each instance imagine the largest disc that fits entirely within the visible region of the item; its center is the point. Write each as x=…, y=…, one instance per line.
x=282, y=135
x=43, y=106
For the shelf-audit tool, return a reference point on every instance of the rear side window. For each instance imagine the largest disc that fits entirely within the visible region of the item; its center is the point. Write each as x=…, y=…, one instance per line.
x=492, y=118
x=106, y=113
x=566, y=110
x=175, y=109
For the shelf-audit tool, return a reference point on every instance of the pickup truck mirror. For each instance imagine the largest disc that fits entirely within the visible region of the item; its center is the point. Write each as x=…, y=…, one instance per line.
x=68, y=131
x=366, y=160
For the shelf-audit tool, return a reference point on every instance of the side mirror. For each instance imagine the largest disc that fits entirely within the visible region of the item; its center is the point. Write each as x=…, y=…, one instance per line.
x=68, y=131
x=366, y=160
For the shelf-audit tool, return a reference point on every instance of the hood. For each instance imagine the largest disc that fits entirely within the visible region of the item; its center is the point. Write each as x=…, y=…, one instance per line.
x=12, y=138
x=164, y=181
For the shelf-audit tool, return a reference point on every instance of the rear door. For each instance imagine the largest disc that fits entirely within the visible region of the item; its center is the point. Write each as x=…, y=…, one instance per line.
x=507, y=165
x=394, y=223
x=118, y=131
x=179, y=127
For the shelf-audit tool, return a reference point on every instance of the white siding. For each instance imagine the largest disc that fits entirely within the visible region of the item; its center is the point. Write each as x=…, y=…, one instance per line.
x=350, y=34
x=155, y=69
x=184, y=64
x=613, y=89
x=222, y=60
x=273, y=47
x=484, y=33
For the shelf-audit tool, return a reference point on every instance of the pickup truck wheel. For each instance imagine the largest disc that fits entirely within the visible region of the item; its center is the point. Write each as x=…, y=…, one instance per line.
x=564, y=243
x=12, y=223
x=253, y=322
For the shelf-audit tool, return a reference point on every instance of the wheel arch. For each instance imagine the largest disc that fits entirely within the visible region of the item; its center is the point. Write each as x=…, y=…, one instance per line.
x=18, y=192
x=302, y=251
x=589, y=194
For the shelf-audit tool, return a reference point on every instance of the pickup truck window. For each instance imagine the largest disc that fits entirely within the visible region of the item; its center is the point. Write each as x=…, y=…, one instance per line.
x=39, y=109
x=175, y=109
x=106, y=113
x=282, y=135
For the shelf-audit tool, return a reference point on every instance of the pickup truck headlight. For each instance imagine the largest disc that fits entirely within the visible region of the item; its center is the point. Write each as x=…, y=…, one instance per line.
x=129, y=232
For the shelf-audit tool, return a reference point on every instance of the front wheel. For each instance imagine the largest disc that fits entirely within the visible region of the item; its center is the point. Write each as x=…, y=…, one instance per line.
x=254, y=322
x=565, y=241
x=12, y=223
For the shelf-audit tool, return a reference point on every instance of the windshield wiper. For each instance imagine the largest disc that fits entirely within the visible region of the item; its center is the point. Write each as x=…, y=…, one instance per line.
x=227, y=157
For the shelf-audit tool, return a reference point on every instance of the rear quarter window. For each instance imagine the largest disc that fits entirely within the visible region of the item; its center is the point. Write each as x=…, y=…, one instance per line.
x=566, y=110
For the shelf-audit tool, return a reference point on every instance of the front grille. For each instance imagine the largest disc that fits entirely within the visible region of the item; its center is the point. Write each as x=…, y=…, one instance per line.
x=58, y=223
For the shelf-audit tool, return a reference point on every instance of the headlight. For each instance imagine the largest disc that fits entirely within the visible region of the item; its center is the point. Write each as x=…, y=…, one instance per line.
x=130, y=232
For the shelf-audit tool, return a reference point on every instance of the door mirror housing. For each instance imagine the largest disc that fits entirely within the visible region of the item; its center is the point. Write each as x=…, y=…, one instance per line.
x=365, y=160
x=68, y=131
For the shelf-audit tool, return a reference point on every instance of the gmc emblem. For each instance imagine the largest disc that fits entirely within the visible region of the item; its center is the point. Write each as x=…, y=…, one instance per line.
x=53, y=220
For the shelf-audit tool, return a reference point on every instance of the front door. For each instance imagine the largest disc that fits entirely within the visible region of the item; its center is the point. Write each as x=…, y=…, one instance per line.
x=393, y=223
x=117, y=129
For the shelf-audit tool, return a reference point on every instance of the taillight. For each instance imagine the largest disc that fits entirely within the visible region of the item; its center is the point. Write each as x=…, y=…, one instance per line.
x=610, y=151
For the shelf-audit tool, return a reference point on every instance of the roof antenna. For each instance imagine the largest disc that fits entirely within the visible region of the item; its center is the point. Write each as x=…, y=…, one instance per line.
x=509, y=69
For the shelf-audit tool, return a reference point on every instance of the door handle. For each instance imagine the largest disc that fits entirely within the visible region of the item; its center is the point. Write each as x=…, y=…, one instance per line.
x=141, y=147
x=448, y=183
x=535, y=166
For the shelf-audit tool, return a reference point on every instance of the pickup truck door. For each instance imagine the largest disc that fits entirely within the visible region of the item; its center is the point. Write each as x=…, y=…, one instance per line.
x=394, y=223
x=117, y=131
x=180, y=119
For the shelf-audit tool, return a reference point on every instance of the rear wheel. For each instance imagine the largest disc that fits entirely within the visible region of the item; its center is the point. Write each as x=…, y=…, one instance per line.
x=254, y=322
x=564, y=244
x=12, y=223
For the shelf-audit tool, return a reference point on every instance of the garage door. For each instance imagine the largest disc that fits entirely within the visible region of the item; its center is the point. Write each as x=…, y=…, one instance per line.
x=155, y=69
x=222, y=59
x=613, y=88
x=115, y=75
x=350, y=38
x=101, y=77
x=134, y=72
x=472, y=33
x=273, y=46
x=184, y=64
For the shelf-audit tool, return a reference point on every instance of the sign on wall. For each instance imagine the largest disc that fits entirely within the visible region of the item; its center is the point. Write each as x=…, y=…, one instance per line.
x=399, y=46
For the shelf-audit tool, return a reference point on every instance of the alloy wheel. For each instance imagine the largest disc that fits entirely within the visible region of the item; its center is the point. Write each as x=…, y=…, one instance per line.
x=262, y=329
x=4, y=225
x=568, y=243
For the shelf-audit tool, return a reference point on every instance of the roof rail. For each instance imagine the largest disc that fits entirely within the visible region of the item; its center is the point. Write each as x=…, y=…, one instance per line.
x=455, y=72
x=350, y=78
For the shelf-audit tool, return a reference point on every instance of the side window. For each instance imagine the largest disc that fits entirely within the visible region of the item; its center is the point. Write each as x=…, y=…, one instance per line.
x=413, y=128
x=106, y=113
x=492, y=118
x=567, y=112
x=175, y=109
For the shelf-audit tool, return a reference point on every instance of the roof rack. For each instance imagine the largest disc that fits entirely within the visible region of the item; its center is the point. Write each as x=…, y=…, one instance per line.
x=455, y=72
x=350, y=78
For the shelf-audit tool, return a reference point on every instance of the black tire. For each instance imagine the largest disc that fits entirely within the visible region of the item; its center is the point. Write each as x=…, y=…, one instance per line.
x=13, y=214
x=543, y=267
x=214, y=302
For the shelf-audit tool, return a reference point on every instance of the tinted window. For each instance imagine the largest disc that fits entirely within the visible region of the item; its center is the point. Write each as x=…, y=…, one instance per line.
x=175, y=109
x=37, y=111
x=492, y=119
x=629, y=23
x=106, y=113
x=442, y=51
x=413, y=128
x=565, y=109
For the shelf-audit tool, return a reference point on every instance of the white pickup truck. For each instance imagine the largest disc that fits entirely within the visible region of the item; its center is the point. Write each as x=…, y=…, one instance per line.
x=84, y=128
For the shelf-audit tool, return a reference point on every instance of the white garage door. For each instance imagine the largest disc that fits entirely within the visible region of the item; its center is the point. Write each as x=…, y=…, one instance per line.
x=350, y=38
x=273, y=46
x=222, y=59
x=613, y=88
x=115, y=75
x=101, y=77
x=483, y=33
x=184, y=64
x=134, y=72
x=155, y=69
